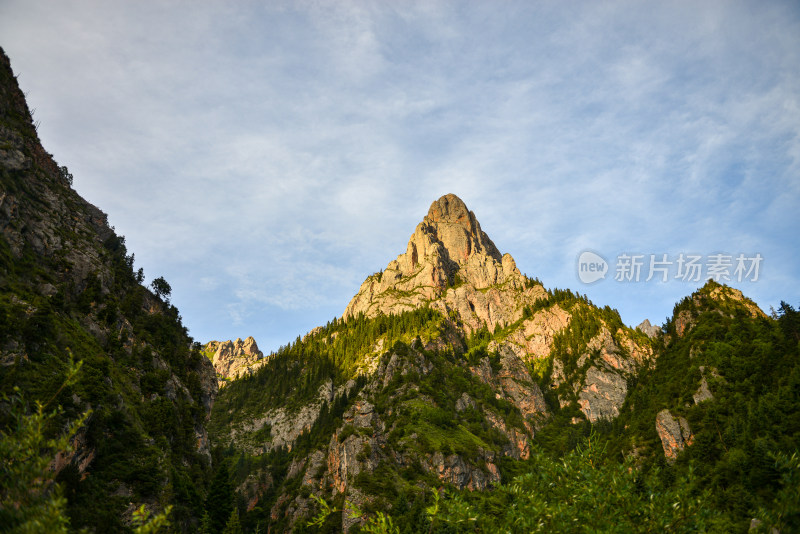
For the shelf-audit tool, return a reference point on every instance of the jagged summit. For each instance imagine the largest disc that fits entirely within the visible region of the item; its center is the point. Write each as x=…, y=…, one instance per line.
x=458, y=230
x=448, y=259
x=232, y=359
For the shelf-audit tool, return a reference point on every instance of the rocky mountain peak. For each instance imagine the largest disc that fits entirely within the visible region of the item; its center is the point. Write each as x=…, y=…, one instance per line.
x=450, y=223
x=447, y=251
x=449, y=208
x=649, y=329
x=232, y=359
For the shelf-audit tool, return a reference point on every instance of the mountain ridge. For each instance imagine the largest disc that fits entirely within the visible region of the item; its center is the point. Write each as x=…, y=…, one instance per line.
x=551, y=359
x=491, y=324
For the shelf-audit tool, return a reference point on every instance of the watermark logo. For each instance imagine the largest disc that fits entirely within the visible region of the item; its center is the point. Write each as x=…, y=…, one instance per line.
x=591, y=267
x=664, y=267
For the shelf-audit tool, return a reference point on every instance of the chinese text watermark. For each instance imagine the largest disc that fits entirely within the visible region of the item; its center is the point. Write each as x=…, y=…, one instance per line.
x=629, y=267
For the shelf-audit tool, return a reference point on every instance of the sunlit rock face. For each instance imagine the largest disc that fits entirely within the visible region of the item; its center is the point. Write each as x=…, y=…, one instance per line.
x=674, y=432
x=233, y=359
x=453, y=265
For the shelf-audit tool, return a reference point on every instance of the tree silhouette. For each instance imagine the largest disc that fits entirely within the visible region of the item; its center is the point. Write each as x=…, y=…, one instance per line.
x=161, y=288
x=219, y=503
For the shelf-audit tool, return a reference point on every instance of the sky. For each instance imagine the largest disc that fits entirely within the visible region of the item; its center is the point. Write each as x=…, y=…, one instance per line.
x=265, y=157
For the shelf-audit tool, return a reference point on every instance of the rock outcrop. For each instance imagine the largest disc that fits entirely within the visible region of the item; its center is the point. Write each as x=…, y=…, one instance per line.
x=232, y=359
x=684, y=321
x=513, y=382
x=648, y=329
x=602, y=394
x=80, y=454
x=535, y=336
x=674, y=433
x=281, y=426
x=598, y=382
x=703, y=392
x=209, y=385
x=453, y=469
x=604, y=388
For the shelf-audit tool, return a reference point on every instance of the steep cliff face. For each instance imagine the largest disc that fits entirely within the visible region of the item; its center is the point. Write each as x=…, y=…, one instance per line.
x=69, y=289
x=234, y=359
x=513, y=382
x=674, y=433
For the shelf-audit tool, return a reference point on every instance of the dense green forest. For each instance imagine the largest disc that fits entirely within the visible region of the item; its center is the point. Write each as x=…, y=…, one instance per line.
x=741, y=464
x=736, y=468
x=140, y=437
x=613, y=477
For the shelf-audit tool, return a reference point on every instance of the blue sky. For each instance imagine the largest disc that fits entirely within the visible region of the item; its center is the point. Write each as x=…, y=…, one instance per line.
x=265, y=157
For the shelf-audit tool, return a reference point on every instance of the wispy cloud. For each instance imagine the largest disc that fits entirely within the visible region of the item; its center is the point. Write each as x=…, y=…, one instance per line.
x=265, y=157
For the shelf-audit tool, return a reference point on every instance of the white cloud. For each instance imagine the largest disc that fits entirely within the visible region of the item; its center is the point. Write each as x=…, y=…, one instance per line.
x=267, y=157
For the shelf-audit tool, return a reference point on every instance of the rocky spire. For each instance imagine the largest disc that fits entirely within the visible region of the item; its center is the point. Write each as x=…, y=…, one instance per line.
x=447, y=249
x=232, y=359
x=457, y=229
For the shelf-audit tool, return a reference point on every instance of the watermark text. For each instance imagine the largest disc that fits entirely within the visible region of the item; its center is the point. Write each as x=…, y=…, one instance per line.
x=684, y=267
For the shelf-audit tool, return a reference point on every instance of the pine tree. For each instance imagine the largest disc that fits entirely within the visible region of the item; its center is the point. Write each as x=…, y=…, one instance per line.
x=219, y=503
x=233, y=526
x=205, y=524
x=29, y=501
